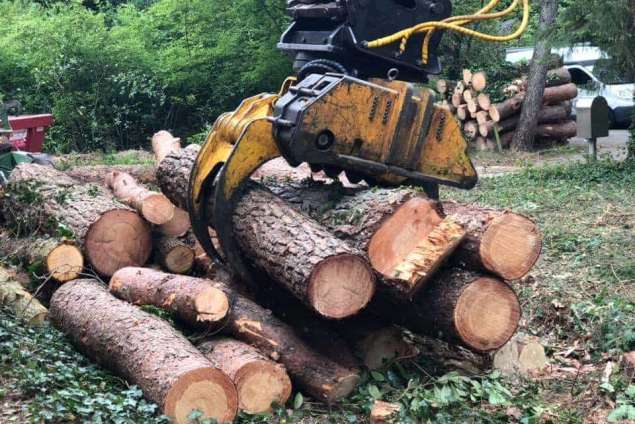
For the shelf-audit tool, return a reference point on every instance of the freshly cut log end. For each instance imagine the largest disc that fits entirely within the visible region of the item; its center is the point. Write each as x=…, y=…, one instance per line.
x=205, y=389
x=157, y=209
x=479, y=81
x=511, y=246
x=384, y=412
x=260, y=382
x=163, y=143
x=65, y=262
x=341, y=286
x=14, y=297
x=120, y=238
x=487, y=313
x=174, y=255
x=177, y=226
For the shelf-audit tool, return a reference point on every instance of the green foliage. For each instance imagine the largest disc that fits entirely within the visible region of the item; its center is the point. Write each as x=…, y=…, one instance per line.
x=61, y=384
x=625, y=408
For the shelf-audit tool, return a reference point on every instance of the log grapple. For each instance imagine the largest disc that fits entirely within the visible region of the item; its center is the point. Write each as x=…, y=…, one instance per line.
x=353, y=107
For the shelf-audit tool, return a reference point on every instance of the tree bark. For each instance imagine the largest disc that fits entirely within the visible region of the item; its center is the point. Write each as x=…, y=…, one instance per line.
x=247, y=321
x=555, y=95
x=524, y=135
x=43, y=200
x=259, y=381
x=153, y=206
x=19, y=301
x=60, y=259
x=96, y=174
x=296, y=252
x=145, y=350
x=560, y=130
x=173, y=254
x=506, y=108
x=558, y=76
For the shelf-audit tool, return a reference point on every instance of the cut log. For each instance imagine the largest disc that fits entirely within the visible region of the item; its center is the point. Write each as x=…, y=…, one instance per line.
x=96, y=174
x=482, y=117
x=457, y=99
x=470, y=129
x=460, y=87
x=190, y=299
x=556, y=113
x=111, y=235
x=56, y=258
x=145, y=350
x=19, y=301
x=461, y=112
x=548, y=114
x=173, y=255
x=469, y=95
x=442, y=86
x=562, y=130
x=332, y=278
x=479, y=81
x=384, y=412
x=507, y=108
x=178, y=226
x=559, y=76
x=483, y=101
x=153, y=206
x=628, y=365
x=247, y=321
x=467, y=77
x=472, y=107
x=260, y=382
x=502, y=242
x=522, y=354
x=163, y=143
x=557, y=94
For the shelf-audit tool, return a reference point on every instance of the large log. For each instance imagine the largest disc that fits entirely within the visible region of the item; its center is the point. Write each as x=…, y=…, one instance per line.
x=96, y=174
x=557, y=94
x=178, y=226
x=296, y=252
x=548, y=114
x=50, y=257
x=111, y=235
x=558, y=76
x=506, y=108
x=247, y=321
x=145, y=350
x=19, y=301
x=190, y=299
x=153, y=206
x=164, y=143
x=561, y=130
x=260, y=382
x=501, y=242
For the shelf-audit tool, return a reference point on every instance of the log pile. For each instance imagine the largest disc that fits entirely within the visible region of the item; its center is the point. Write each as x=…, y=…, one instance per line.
x=490, y=126
x=340, y=273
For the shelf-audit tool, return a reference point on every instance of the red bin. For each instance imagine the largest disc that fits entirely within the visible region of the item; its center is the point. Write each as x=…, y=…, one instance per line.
x=28, y=131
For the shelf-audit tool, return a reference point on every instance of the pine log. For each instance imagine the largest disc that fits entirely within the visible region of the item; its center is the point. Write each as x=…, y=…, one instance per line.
x=522, y=354
x=442, y=86
x=251, y=323
x=461, y=112
x=467, y=77
x=472, y=107
x=178, y=226
x=56, y=258
x=501, y=242
x=460, y=87
x=260, y=382
x=548, y=114
x=163, y=143
x=557, y=94
x=456, y=99
x=559, y=76
x=482, y=116
x=96, y=174
x=42, y=199
x=296, y=252
x=628, y=365
x=173, y=254
x=561, y=130
x=470, y=128
x=469, y=95
x=192, y=300
x=384, y=412
x=19, y=301
x=479, y=81
x=153, y=206
x=507, y=108
x=145, y=350
x=483, y=101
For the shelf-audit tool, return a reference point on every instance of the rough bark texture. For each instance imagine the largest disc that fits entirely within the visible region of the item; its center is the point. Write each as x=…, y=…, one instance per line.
x=19, y=301
x=512, y=242
x=190, y=299
x=506, y=108
x=42, y=199
x=523, y=138
x=173, y=254
x=96, y=174
x=555, y=95
x=558, y=76
x=143, y=349
x=561, y=130
x=259, y=381
x=251, y=323
x=57, y=258
x=294, y=251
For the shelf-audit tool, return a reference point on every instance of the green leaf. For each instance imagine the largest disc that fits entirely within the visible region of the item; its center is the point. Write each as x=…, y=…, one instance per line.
x=374, y=391
x=298, y=401
x=377, y=376
x=623, y=412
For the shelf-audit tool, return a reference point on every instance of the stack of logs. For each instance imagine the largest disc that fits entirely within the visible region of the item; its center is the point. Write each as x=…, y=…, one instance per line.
x=340, y=271
x=491, y=126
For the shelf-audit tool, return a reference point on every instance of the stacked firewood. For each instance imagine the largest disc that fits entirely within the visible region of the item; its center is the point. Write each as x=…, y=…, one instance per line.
x=339, y=272
x=491, y=126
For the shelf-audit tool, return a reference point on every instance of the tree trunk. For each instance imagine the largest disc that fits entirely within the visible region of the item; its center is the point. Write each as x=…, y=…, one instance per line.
x=145, y=350
x=249, y=322
x=548, y=114
x=296, y=252
x=555, y=95
x=259, y=381
x=96, y=174
x=524, y=135
x=19, y=301
x=153, y=206
x=173, y=254
x=501, y=242
x=190, y=299
x=59, y=259
x=111, y=235
x=561, y=130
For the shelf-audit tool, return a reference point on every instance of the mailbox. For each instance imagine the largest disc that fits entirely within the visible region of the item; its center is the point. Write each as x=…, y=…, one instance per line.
x=592, y=117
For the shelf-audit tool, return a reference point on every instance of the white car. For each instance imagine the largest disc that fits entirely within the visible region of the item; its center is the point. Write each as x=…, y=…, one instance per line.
x=618, y=93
